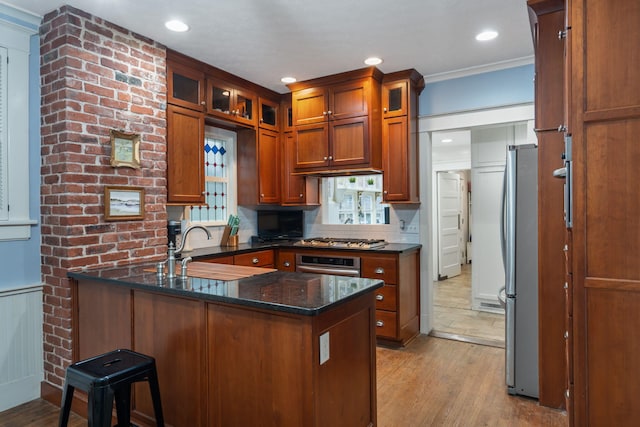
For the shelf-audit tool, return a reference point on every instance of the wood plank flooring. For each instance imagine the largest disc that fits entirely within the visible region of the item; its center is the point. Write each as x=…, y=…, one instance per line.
x=453, y=316
x=431, y=382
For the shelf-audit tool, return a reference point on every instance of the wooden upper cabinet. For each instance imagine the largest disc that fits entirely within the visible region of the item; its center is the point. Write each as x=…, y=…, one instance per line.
x=269, y=114
x=296, y=189
x=400, y=92
x=314, y=105
x=185, y=155
x=286, y=117
x=258, y=167
x=394, y=99
x=230, y=102
x=185, y=86
x=310, y=106
x=337, y=122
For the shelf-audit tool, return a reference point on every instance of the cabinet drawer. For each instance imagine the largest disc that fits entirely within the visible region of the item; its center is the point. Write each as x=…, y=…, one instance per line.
x=386, y=323
x=286, y=261
x=386, y=298
x=385, y=268
x=255, y=259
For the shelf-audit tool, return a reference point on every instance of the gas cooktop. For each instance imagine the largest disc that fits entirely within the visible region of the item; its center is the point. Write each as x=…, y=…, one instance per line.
x=341, y=243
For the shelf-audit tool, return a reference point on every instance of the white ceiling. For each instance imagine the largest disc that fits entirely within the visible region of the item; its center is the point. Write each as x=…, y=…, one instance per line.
x=262, y=40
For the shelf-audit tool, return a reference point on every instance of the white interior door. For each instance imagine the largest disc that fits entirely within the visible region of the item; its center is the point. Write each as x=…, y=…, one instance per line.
x=448, y=224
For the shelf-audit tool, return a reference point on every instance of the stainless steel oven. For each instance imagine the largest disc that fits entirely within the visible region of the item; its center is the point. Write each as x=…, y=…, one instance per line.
x=336, y=265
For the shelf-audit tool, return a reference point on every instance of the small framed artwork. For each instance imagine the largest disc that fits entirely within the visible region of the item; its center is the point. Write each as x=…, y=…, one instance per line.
x=123, y=203
x=125, y=149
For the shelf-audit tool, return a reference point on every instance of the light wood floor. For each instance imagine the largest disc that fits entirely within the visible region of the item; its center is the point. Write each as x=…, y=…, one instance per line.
x=431, y=382
x=454, y=318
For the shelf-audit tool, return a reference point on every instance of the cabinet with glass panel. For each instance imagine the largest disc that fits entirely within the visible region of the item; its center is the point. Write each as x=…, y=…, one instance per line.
x=231, y=102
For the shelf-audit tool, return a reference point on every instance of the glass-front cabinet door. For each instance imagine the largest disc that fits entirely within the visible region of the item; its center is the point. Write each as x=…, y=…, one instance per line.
x=186, y=86
x=230, y=102
x=394, y=99
x=268, y=111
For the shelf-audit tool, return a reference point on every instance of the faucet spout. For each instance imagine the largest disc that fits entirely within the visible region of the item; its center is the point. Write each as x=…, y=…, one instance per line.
x=186, y=232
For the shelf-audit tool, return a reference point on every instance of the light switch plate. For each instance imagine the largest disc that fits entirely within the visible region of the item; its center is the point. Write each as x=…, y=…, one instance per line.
x=324, y=347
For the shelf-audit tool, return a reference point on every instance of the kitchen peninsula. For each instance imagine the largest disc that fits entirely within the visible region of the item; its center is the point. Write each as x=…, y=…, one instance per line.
x=279, y=348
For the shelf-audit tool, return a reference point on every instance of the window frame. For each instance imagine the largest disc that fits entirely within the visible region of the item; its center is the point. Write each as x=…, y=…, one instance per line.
x=231, y=144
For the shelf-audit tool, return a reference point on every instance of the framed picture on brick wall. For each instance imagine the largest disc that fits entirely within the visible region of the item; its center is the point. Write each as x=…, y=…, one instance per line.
x=125, y=149
x=123, y=203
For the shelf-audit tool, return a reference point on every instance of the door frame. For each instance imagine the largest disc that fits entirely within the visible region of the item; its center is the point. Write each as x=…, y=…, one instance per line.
x=427, y=125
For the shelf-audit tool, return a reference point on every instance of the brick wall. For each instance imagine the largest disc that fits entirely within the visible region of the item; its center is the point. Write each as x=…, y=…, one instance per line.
x=95, y=76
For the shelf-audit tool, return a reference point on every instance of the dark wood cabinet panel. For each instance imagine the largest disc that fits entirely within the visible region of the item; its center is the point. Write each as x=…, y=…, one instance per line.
x=173, y=330
x=185, y=155
x=265, y=258
x=100, y=328
x=394, y=152
x=604, y=122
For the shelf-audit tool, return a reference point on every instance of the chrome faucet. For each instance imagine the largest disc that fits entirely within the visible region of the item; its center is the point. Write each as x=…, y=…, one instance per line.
x=186, y=232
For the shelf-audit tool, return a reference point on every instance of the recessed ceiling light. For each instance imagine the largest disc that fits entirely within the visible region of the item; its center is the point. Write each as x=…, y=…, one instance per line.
x=177, y=26
x=487, y=35
x=288, y=80
x=447, y=140
x=374, y=60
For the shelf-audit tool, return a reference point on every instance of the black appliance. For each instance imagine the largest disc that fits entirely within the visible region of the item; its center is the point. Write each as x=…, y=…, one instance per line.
x=280, y=225
x=173, y=229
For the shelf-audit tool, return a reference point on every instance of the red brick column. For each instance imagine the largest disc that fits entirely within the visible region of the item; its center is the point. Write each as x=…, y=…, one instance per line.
x=95, y=76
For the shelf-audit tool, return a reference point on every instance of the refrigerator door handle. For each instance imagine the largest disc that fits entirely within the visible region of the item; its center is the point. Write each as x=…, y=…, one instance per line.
x=510, y=221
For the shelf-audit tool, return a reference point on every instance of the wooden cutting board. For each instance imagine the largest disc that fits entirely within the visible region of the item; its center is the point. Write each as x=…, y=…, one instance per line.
x=214, y=271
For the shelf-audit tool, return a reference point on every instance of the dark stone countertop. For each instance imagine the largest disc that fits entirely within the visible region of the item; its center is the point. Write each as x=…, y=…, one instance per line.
x=298, y=293
x=210, y=251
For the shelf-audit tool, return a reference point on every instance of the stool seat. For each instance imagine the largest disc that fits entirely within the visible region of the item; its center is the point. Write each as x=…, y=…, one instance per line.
x=106, y=377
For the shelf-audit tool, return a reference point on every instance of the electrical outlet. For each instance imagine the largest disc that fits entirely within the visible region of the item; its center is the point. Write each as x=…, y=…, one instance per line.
x=411, y=228
x=324, y=347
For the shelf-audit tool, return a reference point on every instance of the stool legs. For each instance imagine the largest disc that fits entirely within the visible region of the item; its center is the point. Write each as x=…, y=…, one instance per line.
x=67, y=398
x=123, y=405
x=100, y=406
x=155, y=398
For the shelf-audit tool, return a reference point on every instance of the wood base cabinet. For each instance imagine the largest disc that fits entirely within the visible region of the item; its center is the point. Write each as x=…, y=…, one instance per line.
x=230, y=365
x=398, y=301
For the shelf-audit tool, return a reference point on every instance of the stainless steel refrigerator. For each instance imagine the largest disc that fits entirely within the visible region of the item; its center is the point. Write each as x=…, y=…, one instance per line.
x=520, y=255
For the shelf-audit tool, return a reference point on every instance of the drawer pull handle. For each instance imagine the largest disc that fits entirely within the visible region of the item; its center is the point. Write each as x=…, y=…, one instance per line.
x=380, y=297
x=379, y=323
x=255, y=260
x=379, y=270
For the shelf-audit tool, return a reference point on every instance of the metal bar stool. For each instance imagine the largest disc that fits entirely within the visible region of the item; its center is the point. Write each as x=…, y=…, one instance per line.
x=105, y=377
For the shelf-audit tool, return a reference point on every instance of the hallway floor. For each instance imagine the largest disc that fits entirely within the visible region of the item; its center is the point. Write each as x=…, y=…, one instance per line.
x=454, y=318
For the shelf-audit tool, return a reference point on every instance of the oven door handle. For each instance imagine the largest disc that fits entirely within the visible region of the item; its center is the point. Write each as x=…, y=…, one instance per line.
x=328, y=270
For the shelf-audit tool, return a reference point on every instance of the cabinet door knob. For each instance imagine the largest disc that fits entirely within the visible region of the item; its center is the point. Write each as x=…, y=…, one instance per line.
x=379, y=323
x=384, y=110
x=379, y=270
x=255, y=260
x=261, y=120
x=385, y=191
x=287, y=264
x=203, y=103
x=324, y=113
x=330, y=157
x=301, y=195
x=325, y=157
x=329, y=112
x=380, y=297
